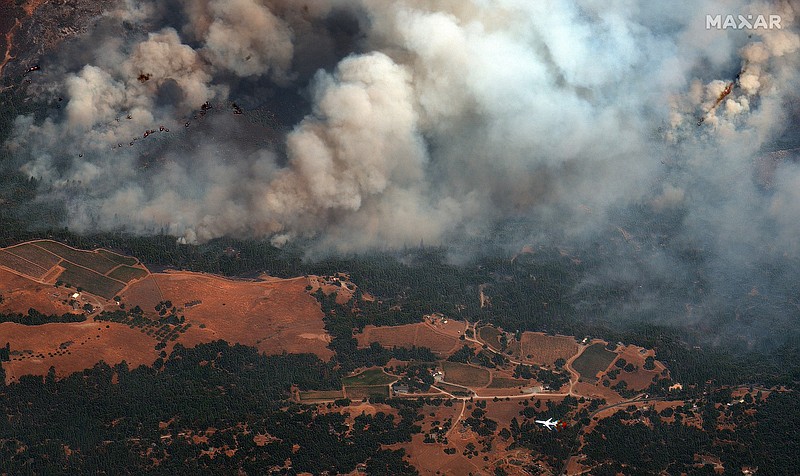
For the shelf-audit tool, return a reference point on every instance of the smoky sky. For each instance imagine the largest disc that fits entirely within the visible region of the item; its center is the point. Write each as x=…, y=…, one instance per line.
x=380, y=123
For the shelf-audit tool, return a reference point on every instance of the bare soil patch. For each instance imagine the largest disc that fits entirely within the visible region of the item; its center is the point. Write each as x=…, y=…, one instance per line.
x=590, y=390
x=503, y=411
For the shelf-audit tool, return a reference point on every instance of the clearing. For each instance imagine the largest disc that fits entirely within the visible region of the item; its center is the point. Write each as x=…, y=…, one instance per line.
x=87, y=259
x=594, y=359
x=365, y=391
x=490, y=335
x=545, y=349
x=374, y=376
x=90, y=281
x=73, y=347
x=20, y=294
x=408, y=335
x=100, y=272
x=465, y=375
x=126, y=273
x=313, y=396
x=273, y=316
x=21, y=265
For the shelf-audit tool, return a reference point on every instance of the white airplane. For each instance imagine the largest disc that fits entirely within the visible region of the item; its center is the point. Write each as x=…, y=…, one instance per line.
x=549, y=423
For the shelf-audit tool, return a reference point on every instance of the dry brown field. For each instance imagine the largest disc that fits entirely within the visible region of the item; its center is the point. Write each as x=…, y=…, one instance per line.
x=454, y=389
x=596, y=390
x=641, y=378
x=20, y=294
x=503, y=411
x=420, y=335
x=146, y=294
x=73, y=347
x=273, y=316
x=431, y=458
x=505, y=382
x=543, y=349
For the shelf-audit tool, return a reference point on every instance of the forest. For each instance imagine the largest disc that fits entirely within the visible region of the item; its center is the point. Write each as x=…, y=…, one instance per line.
x=123, y=421
x=638, y=442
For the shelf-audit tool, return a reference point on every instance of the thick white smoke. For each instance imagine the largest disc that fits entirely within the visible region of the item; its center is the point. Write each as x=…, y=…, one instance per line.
x=447, y=117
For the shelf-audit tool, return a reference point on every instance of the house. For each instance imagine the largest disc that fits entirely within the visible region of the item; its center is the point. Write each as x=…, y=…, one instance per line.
x=400, y=388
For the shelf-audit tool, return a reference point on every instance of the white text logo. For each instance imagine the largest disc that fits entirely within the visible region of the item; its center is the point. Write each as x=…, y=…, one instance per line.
x=743, y=22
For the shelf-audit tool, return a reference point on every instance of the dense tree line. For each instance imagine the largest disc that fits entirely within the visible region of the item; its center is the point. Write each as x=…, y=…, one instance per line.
x=342, y=320
x=36, y=318
x=763, y=436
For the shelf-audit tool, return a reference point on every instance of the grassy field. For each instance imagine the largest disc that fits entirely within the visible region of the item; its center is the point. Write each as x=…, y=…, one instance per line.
x=369, y=377
x=87, y=259
x=20, y=265
x=594, y=359
x=464, y=374
x=36, y=255
x=90, y=281
x=366, y=391
x=127, y=273
x=490, y=335
x=119, y=259
x=314, y=395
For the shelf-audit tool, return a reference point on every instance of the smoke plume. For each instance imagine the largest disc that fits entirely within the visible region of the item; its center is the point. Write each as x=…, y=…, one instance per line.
x=380, y=123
